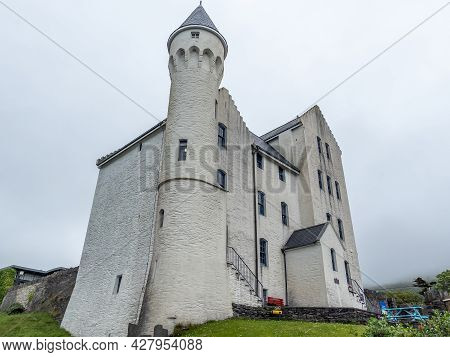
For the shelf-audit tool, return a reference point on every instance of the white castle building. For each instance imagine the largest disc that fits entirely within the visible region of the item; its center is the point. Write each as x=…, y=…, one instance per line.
x=198, y=213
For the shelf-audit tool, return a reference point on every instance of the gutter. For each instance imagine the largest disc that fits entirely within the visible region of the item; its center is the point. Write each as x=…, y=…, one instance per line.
x=255, y=217
x=285, y=278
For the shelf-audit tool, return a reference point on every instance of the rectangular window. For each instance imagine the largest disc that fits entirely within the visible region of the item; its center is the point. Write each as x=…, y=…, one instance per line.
x=348, y=273
x=222, y=135
x=319, y=145
x=261, y=203
x=333, y=260
x=327, y=149
x=328, y=217
x=182, y=150
x=222, y=179
x=341, y=229
x=117, y=284
x=195, y=34
x=263, y=248
x=265, y=294
x=319, y=173
x=338, y=190
x=281, y=174
x=284, y=214
x=329, y=186
x=259, y=161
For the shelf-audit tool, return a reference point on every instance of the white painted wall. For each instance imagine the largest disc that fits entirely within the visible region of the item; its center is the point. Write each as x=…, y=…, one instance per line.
x=117, y=243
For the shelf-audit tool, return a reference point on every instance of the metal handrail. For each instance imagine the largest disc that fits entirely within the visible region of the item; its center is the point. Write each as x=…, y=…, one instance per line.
x=359, y=292
x=244, y=271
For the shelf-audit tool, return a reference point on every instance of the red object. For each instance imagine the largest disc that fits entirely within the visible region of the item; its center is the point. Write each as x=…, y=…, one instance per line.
x=274, y=301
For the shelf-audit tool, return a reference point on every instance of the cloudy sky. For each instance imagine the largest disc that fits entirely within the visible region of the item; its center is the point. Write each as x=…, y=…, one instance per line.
x=391, y=120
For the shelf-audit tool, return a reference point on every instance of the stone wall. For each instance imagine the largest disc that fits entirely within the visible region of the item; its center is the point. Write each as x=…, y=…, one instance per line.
x=316, y=314
x=50, y=294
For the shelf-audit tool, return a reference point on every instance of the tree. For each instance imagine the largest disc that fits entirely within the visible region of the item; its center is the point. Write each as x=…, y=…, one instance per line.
x=421, y=283
x=443, y=281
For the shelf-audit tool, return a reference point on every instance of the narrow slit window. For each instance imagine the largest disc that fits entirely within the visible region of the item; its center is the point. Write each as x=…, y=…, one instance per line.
x=319, y=174
x=161, y=218
x=327, y=149
x=341, y=229
x=348, y=273
x=329, y=186
x=284, y=214
x=338, y=190
x=117, y=284
x=319, y=145
x=333, y=260
x=182, y=150
x=328, y=217
x=261, y=203
x=263, y=249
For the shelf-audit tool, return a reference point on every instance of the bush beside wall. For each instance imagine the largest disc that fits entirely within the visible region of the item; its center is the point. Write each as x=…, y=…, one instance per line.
x=7, y=277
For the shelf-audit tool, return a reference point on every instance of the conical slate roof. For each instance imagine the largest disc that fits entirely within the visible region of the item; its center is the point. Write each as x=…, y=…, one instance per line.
x=199, y=19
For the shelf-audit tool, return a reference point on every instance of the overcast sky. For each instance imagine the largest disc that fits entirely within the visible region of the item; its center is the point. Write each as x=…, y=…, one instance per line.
x=392, y=120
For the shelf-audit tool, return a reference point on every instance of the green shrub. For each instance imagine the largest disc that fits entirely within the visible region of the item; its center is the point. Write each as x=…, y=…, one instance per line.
x=437, y=326
x=7, y=277
x=15, y=309
x=30, y=296
x=443, y=281
x=405, y=297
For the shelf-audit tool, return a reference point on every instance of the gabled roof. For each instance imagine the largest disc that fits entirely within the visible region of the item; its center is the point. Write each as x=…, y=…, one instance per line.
x=271, y=151
x=275, y=132
x=199, y=19
x=305, y=236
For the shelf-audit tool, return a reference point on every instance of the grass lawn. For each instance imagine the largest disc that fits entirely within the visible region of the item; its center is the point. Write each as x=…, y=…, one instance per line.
x=239, y=327
x=37, y=324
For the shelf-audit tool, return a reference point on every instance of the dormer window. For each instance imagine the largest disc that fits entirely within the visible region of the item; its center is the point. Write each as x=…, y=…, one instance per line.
x=195, y=34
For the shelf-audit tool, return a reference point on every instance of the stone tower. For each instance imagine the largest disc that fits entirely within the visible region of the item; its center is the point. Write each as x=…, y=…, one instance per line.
x=188, y=276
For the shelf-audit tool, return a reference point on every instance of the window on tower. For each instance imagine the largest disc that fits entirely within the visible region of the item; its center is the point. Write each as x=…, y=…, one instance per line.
x=195, y=34
x=328, y=217
x=182, y=150
x=222, y=179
